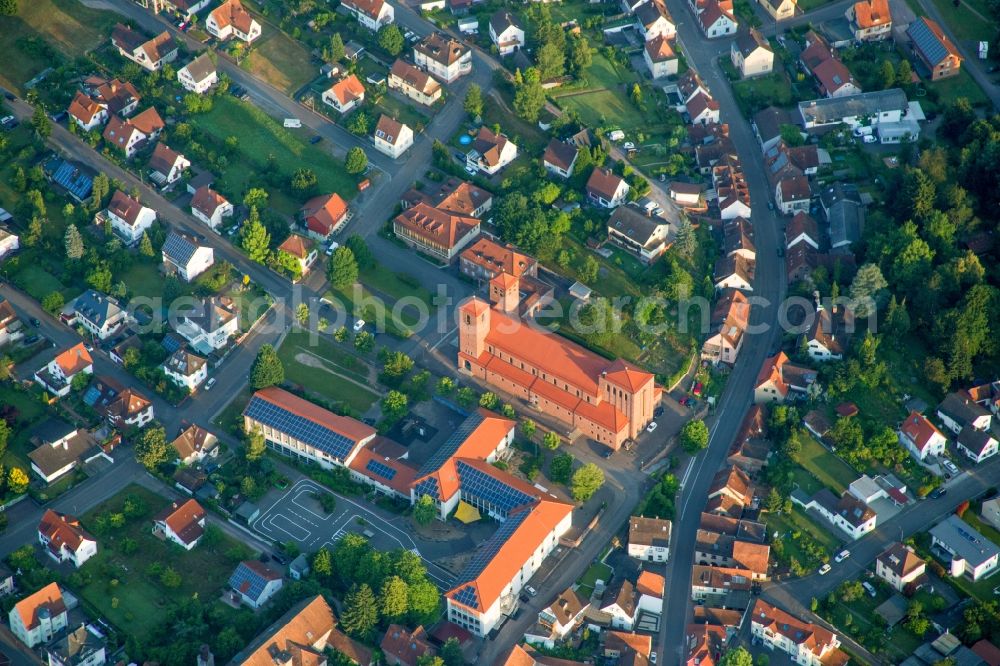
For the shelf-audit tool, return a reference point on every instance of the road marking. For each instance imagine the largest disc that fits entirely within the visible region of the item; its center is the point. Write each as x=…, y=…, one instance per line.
x=444, y=338
x=687, y=473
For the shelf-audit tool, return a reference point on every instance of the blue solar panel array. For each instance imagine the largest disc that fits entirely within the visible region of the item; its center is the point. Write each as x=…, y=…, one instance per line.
x=171, y=343
x=482, y=557
x=76, y=182
x=448, y=449
x=178, y=248
x=490, y=490
x=381, y=469
x=428, y=486
x=927, y=42
x=245, y=574
x=91, y=396
x=315, y=435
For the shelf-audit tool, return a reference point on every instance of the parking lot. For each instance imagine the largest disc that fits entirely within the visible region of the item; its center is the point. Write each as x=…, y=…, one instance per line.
x=296, y=516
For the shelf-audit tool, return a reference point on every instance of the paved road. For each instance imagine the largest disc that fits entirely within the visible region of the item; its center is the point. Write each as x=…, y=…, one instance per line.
x=769, y=284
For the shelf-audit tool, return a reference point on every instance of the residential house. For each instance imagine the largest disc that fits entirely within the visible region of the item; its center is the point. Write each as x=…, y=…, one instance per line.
x=805, y=643
x=254, y=583
x=128, y=217
x=210, y=207
x=458, y=197
x=401, y=647
x=301, y=635
x=182, y=523
x=690, y=196
x=767, y=126
x=649, y=539
x=779, y=10
x=119, y=97
x=731, y=188
x=392, y=137
x=730, y=492
x=434, y=231
x=882, y=109
x=627, y=648
x=921, y=437
x=844, y=212
x=11, y=327
x=231, y=19
x=734, y=272
x=779, y=378
x=705, y=641
x=324, y=438
x=725, y=586
x=737, y=238
x=653, y=21
x=150, y=54
x=987, y=395
x=645, y=236
x=792, y=194
x=702, y=109
x=186, y=369
x=506, y=32
x=606, y=189
x=716, y=18
x=64, y=539
x=124, y=135
x=751, y=54
x=847, y=512
x=820, y=60
x=977, y=445
x=730, y=318
x=486, y=258
x=559, y=158
x=372, y=14
x=958, y=410
x=129, y=409
x=209, y=325
x=936, y=52
x=97, y=313
x=166, y=166
x=651, y=588
x=446, y=58
x=323, y=215
x=57, y=376
x=82, y=646
x=185, y=257
x=39, y=617
x=990, y=512
x=558, y=619
x=750, y=450
x=302, y=250
x=194, y=444
x=9, y=243
x=660, y=57
x=745, y=530
x=620, y=601
x=722, y=550
x=970, y=553
x=199, y=75
x=414, y=82
x=298, y=569
x=87, y=112
x=870, y=20
x=183, y=8
x=802, y=229
x=59, y=449
x=490, y=152
x=345, y=94
x=829, y=335
x=899, y=566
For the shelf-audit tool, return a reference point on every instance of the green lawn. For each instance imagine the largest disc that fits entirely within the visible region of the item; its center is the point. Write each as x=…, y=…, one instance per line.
x=785, y=525
x=825, y=466
x=231, y=418
x=121, y=586
x=68, y=25
x=960, y=85
x=144, y=279
x=898, y=642
x=965, y=24
x=597, y=571
x=30, y=411
x=408, y=113
x=395, y=285
x=261, y=137
x=320, y=368
x=281, y=61
x=38, y=282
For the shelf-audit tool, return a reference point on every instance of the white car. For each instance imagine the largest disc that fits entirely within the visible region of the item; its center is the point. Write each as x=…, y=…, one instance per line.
x=358, y=325
x=530, y=590
x=651, y=427
x=842, y=555
x=652, y=657
x=824, y=570
x=949, y=466
x=210, y=383
x=628, y=145
x=472, y=171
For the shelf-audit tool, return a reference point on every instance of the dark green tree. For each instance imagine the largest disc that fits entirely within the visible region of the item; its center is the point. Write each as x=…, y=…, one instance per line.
x=694, y=436
x=390, y=38
x=360, y=615
x=343, y=268
x=267, y=369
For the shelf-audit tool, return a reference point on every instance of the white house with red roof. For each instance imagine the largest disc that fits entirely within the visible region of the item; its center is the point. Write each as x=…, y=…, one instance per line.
x=392, y=137
x=805, y=643
x=345, y=94
x=57, y=376
x=182, y=523
x=506, y=32
x=39, y=617
x=323, y=215
x=148, y=53
x=490, y=152
x=779, y=377
x=128, y=217
x=372, y=14
x=650, y=587
x=87, y=112
x=210, y=207
x=716, y=18
x=230, y=19
x=64, y=539
x=921, y=437
x=606, y=189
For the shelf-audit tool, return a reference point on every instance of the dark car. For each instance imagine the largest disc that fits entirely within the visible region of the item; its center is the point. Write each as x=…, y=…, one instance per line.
x=10, y=96
x=30, y=340
x=608, y=453
x=658, y=412
x=316, y=139
x=35, y=322
x=938, y=492
x=280, y=559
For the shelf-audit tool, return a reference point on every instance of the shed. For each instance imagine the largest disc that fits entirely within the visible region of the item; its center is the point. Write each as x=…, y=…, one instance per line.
x=892, y=610
x=247, y=512
x=580, y=291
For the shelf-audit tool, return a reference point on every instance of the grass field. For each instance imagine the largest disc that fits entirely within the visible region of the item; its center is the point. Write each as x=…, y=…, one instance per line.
x=597, y=571
x=899, y=642
x=261, y=136
x=320, y=367
x=966, y=24
x=960, y=85
x=29, y=412
x=281, y=61
x=828, y=468
x=68, y=25
x=122, y=588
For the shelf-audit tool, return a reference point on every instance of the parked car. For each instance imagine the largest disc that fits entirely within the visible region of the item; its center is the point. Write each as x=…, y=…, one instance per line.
x=472, y=171
x=35, y=322
x=608, y=453
x=869, y=588
x=658, y=412
x=824, y=570
x=949, y=466
x=358, y=325
x=938, y=492
x=316, y=139
x=697, y=388
x=651, y=427
x=210, y=383
x=532, y=591
x=842, y=555
x=652, y=657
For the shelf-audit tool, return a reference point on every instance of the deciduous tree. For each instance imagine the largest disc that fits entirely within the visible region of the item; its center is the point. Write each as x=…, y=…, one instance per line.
x=424, y=511
x=356, y=161
x=343, y=268
x=586, y=481
x=473, y=103
x=152, y=449
x=694, y=436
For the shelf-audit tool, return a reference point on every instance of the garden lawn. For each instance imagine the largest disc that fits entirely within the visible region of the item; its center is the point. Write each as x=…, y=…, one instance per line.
x=965, y=23
x=281, y=61
x=797, y=521
x=30, y=411
x=261, y=136
x=145, y=279
x=825, y=466
x=68, y=25
x=898, y=642
x=231, y=418
x=120, y=588
x=597, y=571
x=320, y=369
x=38, y=282
x=408, y=113
x=960, y=85
x=396, y=285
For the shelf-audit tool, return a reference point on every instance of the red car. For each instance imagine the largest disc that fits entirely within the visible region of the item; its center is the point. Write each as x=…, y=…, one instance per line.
x=697, y=389
x=685, y=401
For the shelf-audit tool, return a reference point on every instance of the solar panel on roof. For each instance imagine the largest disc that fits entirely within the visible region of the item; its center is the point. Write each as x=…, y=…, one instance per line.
x=381, y=469
x=428, y=486
x=244, y=576
x=91, y=396
x=450, y=446
x=488, y=489
x=170, y=343
x=467, y=596
x=315, y=435
x=485, y=554
x=927, y=42
x=178, y=248
x=76, y=183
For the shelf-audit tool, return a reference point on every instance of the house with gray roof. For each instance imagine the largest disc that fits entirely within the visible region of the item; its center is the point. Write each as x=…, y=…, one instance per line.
x=971, y=553
x=861, y=110
x=958, y=410
x=100, y=314
x=185, y=257
x=844, y=213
